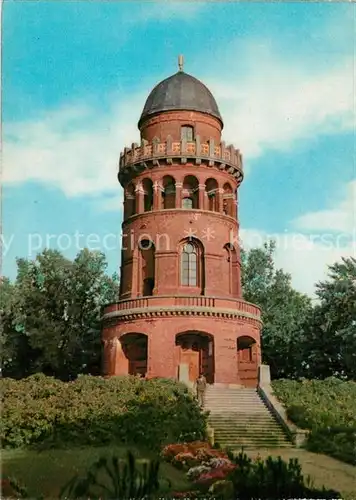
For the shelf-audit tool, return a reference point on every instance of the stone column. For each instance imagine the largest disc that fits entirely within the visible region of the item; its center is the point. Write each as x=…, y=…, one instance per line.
x=157, y=196
x=179, y=188
x=202, y=197
x=161, y=351
x=121, y=362
x=220, y=194
x=225, y=348
x=134, y=274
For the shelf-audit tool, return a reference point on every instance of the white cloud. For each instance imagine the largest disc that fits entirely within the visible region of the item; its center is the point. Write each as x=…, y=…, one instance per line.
x=276, y=103
x=307, y=260
x=341, y=219
x=306, y=255
x=111, y=203
x=271, y=106
x=75, y=149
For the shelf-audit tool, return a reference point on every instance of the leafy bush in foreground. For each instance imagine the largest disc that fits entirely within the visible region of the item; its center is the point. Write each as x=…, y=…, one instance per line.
x=124, y=479
x=96, y=411
x=272, y=478
x=326, y=407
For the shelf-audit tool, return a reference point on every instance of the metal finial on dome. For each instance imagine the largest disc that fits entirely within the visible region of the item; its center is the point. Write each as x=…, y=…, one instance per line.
x=180, y=62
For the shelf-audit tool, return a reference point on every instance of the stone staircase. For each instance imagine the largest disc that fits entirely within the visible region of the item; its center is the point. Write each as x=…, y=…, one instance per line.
x=240, y=418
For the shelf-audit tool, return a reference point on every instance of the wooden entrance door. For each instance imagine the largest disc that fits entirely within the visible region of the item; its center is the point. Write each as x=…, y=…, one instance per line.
x=191, y=358
x=247, y=367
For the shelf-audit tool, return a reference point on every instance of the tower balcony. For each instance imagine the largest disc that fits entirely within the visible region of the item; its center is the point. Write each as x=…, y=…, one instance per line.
x=156, y=153
x=168, y=305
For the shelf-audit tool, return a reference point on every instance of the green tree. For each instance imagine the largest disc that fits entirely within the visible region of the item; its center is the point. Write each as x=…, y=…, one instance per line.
x=330, y=342
x=284, y=310
x=52, y=314
x=15, y=349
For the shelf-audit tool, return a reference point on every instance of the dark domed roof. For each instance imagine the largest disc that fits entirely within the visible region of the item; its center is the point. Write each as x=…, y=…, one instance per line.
x=180, y=92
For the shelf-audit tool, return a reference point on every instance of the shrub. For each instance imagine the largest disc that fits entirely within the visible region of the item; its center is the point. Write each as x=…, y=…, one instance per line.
x=272, y=478
x=227, y=476
x=44, y=411
x=326, y=407
x=124, y=479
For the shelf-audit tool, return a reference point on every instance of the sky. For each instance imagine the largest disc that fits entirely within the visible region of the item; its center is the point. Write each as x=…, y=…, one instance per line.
x=75, y=77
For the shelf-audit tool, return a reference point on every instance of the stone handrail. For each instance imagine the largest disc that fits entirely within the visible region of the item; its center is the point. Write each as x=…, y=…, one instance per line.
x=184, y=301
x=155, y=149
x=296, y=434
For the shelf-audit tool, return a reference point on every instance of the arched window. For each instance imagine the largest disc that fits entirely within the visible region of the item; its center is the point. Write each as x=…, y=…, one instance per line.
x=187, y=133
x=187, y=203
x=147, y=266
x=191, y=190
x=169, y=192
x=130, y=201
x=189, y=265
x=211, y=189
x=231, y=270
x=228, y=200
x=147, y=185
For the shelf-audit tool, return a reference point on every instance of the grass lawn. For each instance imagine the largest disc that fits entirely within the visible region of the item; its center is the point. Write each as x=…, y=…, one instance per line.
x=46, y=472
x=323, y=470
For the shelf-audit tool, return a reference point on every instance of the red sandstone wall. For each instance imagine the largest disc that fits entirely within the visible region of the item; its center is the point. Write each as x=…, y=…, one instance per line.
x=170, y=123
x=161, y=333
x=167, y=228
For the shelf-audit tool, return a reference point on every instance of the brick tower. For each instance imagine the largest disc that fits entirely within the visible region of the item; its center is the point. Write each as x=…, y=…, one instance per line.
x=180, y=309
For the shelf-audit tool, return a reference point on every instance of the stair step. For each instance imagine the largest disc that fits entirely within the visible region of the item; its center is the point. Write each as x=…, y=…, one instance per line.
x=255, y=442
x=249, y=439
x=244, y=427
x=247, y=417
x=240, y=418
x=274, y=435
x=231, y=409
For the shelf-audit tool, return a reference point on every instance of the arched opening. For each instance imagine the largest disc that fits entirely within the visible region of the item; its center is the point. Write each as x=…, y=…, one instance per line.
x=190, y=192
x=195, y=355
x=134, y=348
x=212, y=190
x=169, y=192
x=147, y=253
x=247, y=361
x=130, y=201
x=228, y=200
x=231, y=270
x=187, y=133
x=147, y=186
x=192, y=272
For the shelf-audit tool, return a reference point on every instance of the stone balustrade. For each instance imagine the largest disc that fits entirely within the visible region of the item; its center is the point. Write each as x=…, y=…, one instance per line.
x=226, y=156
x=165, y=302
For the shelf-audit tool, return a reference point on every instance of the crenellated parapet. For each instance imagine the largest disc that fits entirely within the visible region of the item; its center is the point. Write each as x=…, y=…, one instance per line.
x=156, y=153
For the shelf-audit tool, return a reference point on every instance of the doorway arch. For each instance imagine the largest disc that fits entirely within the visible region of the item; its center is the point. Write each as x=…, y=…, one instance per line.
x=134, y=348
x=247, y=361
x=196, y=350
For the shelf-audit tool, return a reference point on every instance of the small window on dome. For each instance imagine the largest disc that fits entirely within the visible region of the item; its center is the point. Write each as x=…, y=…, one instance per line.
x=187, y=133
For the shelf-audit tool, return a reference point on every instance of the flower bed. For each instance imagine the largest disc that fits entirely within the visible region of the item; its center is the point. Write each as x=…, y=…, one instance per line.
x=218, y=474
x=203, y=464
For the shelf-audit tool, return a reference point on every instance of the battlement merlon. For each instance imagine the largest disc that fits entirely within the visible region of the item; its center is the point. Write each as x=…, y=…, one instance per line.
x=158, y=153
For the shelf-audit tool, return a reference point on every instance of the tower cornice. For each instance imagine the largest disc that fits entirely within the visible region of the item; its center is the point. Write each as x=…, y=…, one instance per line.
x=155, y=153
